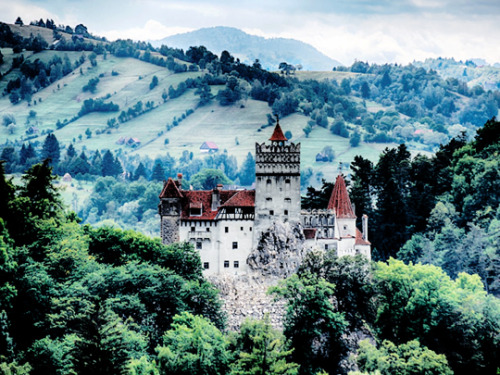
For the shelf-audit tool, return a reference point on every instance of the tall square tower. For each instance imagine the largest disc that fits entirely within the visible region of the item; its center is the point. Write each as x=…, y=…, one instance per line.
x=277, y=182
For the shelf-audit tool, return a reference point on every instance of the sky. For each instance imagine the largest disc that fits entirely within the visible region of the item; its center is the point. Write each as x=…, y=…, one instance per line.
x=376, y=31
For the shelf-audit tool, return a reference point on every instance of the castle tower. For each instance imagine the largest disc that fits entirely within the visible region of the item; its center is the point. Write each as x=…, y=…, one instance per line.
x=170, y=210
x=340, y=203
x=277, y=182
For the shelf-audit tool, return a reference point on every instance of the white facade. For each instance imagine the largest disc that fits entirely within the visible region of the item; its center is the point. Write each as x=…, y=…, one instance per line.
x=224, y=245
x=226, y=225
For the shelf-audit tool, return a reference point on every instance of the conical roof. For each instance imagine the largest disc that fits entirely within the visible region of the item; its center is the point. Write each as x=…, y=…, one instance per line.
x=340, y=201
x=278, y=134
x=170, y=190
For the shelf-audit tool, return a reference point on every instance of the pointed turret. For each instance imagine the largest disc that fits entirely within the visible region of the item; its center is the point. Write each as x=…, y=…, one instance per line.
x=339, y=201
x=278, y=135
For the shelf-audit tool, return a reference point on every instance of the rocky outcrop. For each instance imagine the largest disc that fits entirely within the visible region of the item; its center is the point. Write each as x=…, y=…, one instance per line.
x=280, y=250
x=245, y=296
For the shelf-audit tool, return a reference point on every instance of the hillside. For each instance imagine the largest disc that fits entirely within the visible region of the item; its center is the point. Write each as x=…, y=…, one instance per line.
x=144, y=103
x=270, y=52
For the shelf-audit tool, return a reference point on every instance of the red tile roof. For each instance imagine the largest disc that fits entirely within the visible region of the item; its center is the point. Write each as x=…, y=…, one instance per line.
x=278, y=134
x=243, y=198
x=202, y=199
x=170, y=190
x=359, y=238
x=339, y=201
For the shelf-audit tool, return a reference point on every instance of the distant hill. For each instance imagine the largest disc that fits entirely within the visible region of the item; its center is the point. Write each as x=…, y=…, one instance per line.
x=248, y=47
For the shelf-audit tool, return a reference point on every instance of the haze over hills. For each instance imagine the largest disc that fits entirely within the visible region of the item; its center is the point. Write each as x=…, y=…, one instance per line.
x=246, y=47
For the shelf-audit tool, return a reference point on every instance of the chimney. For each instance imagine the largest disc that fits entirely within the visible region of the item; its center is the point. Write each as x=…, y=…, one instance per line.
x=364, y=223
x=216, y=197
x=179, y=180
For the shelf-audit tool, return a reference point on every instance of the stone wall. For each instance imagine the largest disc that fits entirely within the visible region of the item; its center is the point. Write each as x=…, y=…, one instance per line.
x=278, y=255
x=246, y=297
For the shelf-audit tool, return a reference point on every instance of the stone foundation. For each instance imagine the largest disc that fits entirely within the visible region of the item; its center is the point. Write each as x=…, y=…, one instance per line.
x=246, y=297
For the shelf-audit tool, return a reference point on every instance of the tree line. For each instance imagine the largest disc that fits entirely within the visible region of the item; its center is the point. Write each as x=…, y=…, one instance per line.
x=78, y=299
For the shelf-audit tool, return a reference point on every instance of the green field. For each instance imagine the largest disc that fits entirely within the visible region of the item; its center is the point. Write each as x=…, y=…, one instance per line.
x=233, y=128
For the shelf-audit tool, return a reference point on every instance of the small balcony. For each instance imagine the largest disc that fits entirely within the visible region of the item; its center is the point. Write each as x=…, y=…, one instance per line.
x=204, y=235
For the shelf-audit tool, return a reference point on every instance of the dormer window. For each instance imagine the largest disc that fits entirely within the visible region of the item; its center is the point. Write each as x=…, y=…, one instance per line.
x=195, y=209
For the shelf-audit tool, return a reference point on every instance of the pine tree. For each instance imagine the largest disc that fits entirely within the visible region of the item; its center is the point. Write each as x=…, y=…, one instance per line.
x=158, y=172
x=110, y=165
x=51, y=149
x=247, y=171
x=70, y=153
x=140, y=172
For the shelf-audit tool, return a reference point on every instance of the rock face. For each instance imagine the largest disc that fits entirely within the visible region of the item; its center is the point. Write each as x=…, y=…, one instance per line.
x=245, y=296
x=278, y=255
x=280, y=250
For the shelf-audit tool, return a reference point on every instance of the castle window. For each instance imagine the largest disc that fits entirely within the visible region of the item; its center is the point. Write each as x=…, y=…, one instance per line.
x=226, y=264
x=235, y=245
x=226, y=229
x=326, y=246
x=208, y=229
x=192, y=229
x=195, y=209
x=250, y=229
x=286, y=212
x=199, y=245
x=345, y=227
x=287, y=181
x=236, y=264
x=206, y=265
x=271, y=212
x=269, y=199
x=268, y=181
x=288, y=200
x=241, y=228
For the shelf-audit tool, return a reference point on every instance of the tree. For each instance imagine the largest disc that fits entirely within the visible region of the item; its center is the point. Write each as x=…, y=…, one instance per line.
x=205, y=94
x=406, y=359
x=7, y=191
x=365, y=90
x=247, y=171
x=355, y=139
x=232, y=92
x=111, y=166
x=51, y=149
x=70, y=152
x=140, y=172
x=208, y=179
x=158, y=173
x=154, y=83
x=19, y=21
x=260, y=349
x=193, y=346
x=311, y=322
x=452, y=317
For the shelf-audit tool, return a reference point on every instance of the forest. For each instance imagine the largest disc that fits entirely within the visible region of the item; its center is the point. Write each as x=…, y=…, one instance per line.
x=80, y=295
x=79, y=299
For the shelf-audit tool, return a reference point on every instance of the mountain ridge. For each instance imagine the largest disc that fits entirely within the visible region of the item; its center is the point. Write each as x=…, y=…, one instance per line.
x=247, y=47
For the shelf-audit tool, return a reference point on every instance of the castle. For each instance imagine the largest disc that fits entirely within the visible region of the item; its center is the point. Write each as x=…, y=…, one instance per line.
x=226, y=225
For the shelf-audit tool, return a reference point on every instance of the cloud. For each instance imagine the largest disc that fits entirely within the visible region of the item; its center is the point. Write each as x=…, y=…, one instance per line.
x=152, y=30
x=10, y=10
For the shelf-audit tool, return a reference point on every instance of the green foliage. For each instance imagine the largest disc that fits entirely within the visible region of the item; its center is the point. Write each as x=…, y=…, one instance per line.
x=260, y=349
x=193, y=346
x=456, y=318
x=51, y=149
x=311, y=322
x=91, y=85
x=154, y=83
x=208, y=179
x=405, y=359
x=247, y=171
